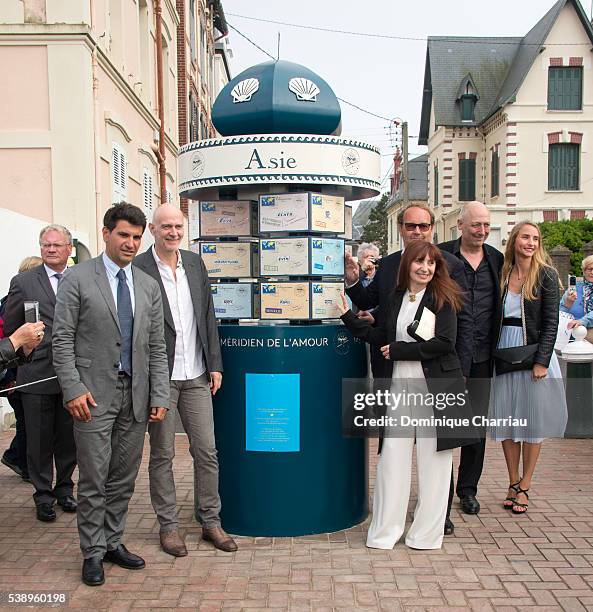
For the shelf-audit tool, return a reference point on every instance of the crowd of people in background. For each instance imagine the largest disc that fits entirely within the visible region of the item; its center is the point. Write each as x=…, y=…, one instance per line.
x=122, y=344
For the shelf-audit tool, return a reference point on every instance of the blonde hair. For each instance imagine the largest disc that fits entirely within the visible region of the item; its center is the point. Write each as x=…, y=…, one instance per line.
x=30, y=262
x=586, y=262
x=539, y=260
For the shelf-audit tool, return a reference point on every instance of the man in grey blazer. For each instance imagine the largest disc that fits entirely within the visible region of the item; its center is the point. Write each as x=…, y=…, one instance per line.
x=195, y=366
x=111, y=361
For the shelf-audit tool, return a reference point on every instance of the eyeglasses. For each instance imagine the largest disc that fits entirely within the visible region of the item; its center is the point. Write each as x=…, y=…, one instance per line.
x=55, y=245
x=423, y=227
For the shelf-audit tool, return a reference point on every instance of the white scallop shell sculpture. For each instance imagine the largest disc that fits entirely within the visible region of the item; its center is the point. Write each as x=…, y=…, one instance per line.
x=243, y=90
x=304, y=89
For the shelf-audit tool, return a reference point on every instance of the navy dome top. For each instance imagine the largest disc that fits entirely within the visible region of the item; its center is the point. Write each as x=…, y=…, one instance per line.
x=277, y=97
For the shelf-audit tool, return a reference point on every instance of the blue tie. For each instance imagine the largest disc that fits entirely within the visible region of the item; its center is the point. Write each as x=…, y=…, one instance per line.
x=58, y=277
x=126, y=322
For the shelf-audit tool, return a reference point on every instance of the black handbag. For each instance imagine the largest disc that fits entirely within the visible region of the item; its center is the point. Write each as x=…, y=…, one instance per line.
x=514, y=358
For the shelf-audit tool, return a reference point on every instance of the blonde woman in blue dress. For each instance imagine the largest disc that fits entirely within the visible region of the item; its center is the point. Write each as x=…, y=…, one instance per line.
x=530, y=296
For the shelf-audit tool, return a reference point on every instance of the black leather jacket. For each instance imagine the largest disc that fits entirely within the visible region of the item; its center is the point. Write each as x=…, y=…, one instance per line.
x=9, y=358
x=540, y=316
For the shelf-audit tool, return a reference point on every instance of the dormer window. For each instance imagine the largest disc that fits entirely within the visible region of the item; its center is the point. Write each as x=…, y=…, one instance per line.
x=468, y=103
x=467, y=96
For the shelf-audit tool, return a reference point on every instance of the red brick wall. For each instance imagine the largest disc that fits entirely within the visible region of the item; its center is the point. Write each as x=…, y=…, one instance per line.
x=182, y=95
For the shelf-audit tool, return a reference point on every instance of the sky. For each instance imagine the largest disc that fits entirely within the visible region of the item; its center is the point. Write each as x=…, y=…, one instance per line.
x=382, y=75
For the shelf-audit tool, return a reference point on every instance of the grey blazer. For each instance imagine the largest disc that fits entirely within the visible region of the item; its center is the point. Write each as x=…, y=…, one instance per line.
x=199, y=286
x=87, y=340
x=33, y=285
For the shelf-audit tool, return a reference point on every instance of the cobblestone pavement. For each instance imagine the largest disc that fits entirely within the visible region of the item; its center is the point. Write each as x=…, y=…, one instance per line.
x=495, y=561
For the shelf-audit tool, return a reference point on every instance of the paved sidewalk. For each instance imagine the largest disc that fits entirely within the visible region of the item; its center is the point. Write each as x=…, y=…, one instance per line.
x=495, y=561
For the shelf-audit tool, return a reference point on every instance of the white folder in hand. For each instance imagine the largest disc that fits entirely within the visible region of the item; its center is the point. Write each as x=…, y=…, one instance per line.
x=426, y=325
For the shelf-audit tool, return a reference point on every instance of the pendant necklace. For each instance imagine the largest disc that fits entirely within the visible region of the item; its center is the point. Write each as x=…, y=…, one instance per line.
x=411, y=297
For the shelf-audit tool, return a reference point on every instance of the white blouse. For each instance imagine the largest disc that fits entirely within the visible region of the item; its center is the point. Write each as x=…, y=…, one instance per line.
x=407, y=369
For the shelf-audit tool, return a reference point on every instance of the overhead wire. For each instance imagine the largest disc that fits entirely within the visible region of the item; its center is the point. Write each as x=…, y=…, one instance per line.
x=463, y=40
x=392, y=122
x=364, y=110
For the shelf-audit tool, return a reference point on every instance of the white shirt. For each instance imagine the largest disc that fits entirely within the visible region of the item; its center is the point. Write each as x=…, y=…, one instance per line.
x=112, y=269
x=53, y=281
x=410, y=370
x=189, y=353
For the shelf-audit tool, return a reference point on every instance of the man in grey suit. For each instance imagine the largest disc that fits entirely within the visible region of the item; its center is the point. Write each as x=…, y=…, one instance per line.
x=111, y=361
x=195, y=365
x=49, y=426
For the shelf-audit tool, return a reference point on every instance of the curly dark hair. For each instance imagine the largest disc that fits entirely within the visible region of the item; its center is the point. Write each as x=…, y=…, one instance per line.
x=123, y=211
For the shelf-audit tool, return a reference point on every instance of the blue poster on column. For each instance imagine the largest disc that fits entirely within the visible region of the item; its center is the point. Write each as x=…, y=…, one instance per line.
x=272, y=413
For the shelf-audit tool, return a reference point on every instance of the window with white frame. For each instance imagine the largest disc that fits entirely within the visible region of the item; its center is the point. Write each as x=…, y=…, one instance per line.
x=147, y=193
x=119, y=173
x=169, y=195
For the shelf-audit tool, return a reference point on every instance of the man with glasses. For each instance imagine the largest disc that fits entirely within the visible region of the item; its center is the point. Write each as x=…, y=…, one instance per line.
x=482, y=266
x=416, y=222
x=49, y=427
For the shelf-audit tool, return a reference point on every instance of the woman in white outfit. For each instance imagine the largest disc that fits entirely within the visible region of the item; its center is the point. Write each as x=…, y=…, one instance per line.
x=417, y=340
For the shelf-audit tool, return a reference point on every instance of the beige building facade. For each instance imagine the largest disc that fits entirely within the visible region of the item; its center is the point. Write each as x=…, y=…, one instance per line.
x=203, y=68
x=79, y=124
x=509, y=121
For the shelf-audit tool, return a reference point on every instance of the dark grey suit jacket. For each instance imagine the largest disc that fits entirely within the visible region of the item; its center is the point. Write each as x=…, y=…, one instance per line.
x=199, y=286
x=33, y=285
x=87, y=340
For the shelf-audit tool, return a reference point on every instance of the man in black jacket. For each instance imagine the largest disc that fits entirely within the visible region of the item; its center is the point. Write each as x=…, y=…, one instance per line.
x=482, y=266
x=416, y=222
x=49, y=426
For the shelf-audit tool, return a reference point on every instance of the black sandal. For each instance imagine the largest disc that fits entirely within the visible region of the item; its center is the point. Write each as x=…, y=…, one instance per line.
x=518, y=505
x=512, y=500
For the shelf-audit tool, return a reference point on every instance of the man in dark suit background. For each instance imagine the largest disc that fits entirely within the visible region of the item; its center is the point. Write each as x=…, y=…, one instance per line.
x=482, y=265
x=48, y=425
x=416, y=222
x=195, y=368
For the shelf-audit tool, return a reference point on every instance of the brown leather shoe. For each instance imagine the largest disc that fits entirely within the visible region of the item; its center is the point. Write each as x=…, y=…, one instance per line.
x=219, y=538
x=172, y=543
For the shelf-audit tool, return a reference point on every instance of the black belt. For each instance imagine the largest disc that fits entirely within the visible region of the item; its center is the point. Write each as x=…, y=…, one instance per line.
x=121, y=373
x=512, y=321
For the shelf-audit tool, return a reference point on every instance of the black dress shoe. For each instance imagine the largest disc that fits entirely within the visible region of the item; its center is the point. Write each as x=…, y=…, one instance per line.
x=67, y=503
x=46, y=513
x=124, y=558
x=469, y=504
x=11, y=465
x=92, y=572
x=449, y=527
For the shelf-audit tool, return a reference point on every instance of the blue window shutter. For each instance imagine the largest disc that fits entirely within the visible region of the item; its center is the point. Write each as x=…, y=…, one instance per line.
x=565, y=85
x=467, y=180
x=436, y=186
x=563, y=167
x=494, y=174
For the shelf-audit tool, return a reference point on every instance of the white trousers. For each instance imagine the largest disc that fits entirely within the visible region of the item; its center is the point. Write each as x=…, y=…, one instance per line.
x=392, y=493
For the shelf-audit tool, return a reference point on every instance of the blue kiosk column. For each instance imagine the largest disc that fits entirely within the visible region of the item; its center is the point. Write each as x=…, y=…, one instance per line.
x=285, y=468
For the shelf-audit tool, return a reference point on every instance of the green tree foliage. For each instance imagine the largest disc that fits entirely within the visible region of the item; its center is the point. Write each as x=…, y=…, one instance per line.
x=571, y=234
x=375, y=229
